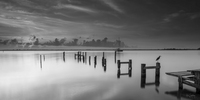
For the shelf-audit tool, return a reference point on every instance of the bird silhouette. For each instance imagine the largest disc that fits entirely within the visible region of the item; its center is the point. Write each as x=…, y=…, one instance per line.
x=158, y=58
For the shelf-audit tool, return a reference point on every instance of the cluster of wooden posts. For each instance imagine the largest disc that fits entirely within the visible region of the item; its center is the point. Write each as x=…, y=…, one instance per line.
x=81, y=56
x=129, y=63
x=143, y=75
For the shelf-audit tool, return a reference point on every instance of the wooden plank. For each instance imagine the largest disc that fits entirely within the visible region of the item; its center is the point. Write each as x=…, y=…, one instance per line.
x=179, y=74
x=191, y=84
x=124, y=62
x=195, y=70
x=150, y=67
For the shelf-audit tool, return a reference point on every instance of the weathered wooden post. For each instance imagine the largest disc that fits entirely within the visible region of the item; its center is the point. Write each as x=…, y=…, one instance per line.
x=143, y=70
x=180, y=81
x=85, y=57
x=197, y=81
x=130, y=64
x=89, y=60
x=95, y=60
x=157, y=69
x=115, y=56
x=64, y=56
x=118, y=63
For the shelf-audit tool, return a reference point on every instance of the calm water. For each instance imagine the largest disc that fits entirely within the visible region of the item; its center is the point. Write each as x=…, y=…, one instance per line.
x=26, y=76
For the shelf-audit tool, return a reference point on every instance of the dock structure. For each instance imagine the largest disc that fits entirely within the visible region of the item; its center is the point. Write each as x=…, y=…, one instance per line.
x=119, y=63
x=144, y=68
x=143, y=75
x=190, y=77
x=129, y=73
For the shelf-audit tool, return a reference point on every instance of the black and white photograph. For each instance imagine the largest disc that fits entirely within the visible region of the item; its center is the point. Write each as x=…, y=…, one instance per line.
x=99, y=49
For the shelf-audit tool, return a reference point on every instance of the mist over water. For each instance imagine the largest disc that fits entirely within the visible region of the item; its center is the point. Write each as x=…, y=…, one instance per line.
x=54, y=75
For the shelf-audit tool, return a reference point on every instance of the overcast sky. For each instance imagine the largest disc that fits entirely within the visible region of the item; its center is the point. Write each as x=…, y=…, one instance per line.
x=140, y=23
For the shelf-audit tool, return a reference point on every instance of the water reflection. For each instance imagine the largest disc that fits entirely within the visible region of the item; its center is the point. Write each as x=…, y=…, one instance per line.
x=59, y=70
x=184, y=93
x=119, y=73
x=156, y=82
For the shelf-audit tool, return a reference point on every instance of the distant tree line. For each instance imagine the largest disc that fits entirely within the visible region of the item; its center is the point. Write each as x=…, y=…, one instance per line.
x=74, y=42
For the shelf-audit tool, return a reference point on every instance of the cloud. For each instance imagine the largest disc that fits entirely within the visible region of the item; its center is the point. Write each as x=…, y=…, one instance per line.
x=73, y=7
x=112, y=5
x=108, y=25
x=171, y=16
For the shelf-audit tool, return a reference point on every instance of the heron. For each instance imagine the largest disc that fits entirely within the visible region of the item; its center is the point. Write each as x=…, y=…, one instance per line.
x=158, y=58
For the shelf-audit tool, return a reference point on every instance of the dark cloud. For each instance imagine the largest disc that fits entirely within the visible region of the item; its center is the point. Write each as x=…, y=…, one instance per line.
x=133, y=20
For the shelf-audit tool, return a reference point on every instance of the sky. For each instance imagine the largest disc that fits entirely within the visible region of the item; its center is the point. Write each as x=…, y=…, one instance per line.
x=139, y=23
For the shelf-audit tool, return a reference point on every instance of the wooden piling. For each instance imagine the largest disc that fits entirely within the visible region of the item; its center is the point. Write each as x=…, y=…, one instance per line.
x=115, y=56
x=143, y=70
x=130, y=64
x=180, y=81
x=157, y=69
x=89, y=60
x=95, y=60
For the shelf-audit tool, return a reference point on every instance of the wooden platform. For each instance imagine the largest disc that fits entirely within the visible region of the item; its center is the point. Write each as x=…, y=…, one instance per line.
x=189, y=77
x=179, y=74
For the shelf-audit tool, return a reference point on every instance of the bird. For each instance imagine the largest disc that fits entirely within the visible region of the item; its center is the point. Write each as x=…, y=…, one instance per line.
x=158, y=58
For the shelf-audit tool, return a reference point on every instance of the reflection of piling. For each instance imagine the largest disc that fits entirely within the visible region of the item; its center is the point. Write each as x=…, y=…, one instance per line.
x=104, y=63
x=44, y=57
x=89, y=60
x=41, y=61
x=120, y=74
x=144, y=83
x=144, y=67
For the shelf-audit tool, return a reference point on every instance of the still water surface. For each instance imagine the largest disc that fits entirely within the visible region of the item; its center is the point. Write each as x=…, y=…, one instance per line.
x=24, y=75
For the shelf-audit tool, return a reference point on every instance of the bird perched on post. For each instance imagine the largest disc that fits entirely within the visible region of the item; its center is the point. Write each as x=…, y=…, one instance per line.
x=158, y=58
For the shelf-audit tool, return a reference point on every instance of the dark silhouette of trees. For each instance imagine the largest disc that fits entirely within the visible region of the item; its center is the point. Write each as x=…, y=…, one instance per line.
x=56, y=42
x=36, y=42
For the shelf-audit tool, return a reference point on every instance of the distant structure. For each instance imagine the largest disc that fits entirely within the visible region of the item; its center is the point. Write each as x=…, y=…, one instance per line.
x=158, y=58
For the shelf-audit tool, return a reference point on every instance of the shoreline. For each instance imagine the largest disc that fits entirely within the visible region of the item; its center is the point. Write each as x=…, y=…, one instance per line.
x=97, y=49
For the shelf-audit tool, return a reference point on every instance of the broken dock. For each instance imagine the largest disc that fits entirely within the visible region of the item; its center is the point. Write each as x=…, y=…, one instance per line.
x=189, y=77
